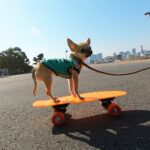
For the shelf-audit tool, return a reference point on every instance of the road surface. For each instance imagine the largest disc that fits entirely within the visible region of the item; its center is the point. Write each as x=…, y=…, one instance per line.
x=88, y=125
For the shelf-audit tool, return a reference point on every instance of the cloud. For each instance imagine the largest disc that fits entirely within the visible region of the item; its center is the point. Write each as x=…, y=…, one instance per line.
x=35, y=30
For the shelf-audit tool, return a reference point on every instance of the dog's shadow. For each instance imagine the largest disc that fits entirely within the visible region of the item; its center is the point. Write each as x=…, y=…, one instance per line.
x=130, y=131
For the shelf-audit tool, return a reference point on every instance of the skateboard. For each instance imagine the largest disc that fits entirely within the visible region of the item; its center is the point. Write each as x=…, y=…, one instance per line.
x=60, y=108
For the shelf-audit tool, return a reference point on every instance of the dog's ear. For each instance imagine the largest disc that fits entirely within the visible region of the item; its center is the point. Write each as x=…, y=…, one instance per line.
x=88, y=41
x=73, y=46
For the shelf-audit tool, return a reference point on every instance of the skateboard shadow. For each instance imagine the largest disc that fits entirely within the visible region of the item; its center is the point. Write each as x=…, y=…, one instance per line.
x=130, y=131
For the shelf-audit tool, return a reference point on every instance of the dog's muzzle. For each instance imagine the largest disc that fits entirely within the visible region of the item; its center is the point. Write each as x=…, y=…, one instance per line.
x=89, y=53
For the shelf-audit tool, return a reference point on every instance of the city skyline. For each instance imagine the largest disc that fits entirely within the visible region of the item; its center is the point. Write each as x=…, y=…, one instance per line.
x=123, y=54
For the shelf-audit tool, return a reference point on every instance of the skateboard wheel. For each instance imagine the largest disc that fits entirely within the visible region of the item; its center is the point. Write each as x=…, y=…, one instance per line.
x=58, y=118
x=114, y=110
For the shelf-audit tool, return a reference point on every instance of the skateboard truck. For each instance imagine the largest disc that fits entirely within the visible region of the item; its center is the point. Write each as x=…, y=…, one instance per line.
x=106, y=102
x=60, y=108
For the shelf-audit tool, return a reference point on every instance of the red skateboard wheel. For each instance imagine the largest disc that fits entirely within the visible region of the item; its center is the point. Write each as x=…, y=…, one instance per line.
x=114, y=110
x=58, y=118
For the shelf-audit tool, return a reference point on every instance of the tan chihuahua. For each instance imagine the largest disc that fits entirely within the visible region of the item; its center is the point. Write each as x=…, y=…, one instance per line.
x=65, y=68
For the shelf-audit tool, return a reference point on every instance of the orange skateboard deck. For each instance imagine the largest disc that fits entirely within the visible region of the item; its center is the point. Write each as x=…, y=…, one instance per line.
x=88, y=97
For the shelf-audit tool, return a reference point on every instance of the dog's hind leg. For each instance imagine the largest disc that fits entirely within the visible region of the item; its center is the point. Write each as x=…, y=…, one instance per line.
x=35, y=81
x=48, y=85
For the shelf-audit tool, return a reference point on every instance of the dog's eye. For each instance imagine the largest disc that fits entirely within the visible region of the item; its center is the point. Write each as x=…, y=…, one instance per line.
x=89, y=48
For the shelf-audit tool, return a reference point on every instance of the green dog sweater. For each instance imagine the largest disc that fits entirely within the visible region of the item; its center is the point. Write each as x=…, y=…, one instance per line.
x=61, y=66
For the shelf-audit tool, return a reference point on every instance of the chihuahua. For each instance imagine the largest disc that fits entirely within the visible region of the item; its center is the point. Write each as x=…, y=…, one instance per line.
x=65, y=68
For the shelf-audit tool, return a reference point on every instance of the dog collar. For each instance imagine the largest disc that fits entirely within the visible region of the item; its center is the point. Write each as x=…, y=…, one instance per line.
x=72, y=56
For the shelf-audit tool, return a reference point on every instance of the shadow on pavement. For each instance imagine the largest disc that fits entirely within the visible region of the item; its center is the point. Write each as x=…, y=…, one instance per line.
x=130, y=131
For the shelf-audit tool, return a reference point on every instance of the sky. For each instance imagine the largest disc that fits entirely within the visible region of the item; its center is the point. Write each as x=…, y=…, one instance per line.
x=43, y=26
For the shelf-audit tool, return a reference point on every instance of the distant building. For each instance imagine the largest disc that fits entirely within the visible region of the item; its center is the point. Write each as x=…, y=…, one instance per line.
x=100, y=56
x=142, y=50
x=147, y=53
x=92, y=59
x=133, y=51
x=95, y=58
x=115, y=55
x=125, y=55
x=109, y=59
x=121, y=55
x=128, y=54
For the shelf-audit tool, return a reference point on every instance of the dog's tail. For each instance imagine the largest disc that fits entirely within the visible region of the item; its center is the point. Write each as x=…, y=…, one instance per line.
x=35, y=81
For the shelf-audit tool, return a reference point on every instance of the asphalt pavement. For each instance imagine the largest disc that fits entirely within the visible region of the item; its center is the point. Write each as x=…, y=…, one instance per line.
x=88, y=126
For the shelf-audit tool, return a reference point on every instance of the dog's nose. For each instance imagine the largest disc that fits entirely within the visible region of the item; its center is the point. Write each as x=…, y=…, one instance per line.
x=91, y=52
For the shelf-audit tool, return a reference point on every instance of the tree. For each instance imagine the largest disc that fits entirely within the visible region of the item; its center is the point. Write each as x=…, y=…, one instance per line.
x=38, y=58
x=15, y=60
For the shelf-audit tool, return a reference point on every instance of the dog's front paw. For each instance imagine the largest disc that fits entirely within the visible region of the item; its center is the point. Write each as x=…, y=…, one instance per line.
x=73, y=95
x=56, y=100
x=81, y=98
